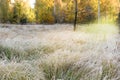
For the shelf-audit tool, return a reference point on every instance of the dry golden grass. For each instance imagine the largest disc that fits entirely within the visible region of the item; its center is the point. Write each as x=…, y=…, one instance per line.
x=55, y=52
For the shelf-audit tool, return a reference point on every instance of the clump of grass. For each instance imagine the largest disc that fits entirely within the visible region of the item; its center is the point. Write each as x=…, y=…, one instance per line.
x=110, y=70
x=40, y=51
x=28, y=53
x=44, y=49
x=10, y=53
x=72, y=67
x=19, y=71
x=56, y=65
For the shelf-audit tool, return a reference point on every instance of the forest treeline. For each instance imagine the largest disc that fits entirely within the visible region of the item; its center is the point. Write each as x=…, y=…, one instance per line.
x=57, y=11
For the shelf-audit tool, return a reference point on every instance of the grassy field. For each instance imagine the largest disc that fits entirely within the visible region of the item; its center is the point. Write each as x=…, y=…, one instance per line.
x=55, y=52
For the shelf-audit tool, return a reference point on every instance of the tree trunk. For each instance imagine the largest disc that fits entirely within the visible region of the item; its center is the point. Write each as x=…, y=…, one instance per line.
x=75, y=20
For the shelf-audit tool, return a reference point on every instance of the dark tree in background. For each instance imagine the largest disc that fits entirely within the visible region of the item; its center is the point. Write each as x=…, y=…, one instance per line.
x=75, y=20
x=118, y=20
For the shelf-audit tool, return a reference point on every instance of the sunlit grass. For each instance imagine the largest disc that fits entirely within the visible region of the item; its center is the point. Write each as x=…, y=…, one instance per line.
x=99, y=28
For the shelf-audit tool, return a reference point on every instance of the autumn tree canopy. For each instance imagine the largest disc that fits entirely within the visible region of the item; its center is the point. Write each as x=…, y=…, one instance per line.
x=57, y=11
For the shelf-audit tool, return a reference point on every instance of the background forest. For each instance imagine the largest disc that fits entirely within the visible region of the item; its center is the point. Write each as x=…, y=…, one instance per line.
x=57, y=11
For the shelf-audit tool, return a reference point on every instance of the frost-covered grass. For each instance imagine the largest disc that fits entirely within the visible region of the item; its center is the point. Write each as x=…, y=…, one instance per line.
x=55, y=52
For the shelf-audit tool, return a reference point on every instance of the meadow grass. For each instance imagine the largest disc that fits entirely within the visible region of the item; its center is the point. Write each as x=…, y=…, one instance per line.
x=60, y=54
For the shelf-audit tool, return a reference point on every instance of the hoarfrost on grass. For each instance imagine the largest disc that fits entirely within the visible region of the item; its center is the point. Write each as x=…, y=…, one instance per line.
x=55, y=52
